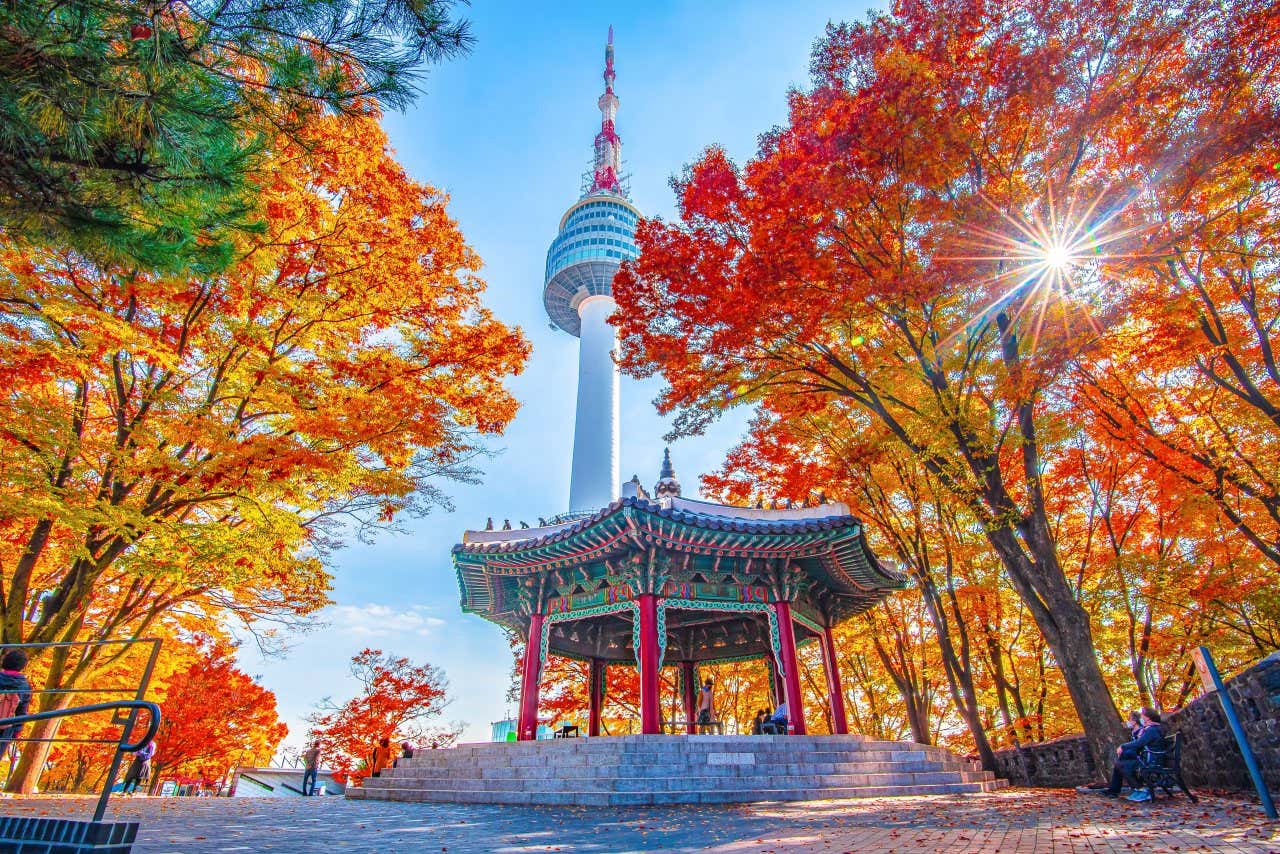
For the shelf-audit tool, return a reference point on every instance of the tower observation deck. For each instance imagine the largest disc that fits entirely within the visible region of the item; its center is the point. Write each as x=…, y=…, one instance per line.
x=596, y=235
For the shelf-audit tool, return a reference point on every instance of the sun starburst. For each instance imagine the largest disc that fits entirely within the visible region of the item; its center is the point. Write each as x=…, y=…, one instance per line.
x=1041, y=257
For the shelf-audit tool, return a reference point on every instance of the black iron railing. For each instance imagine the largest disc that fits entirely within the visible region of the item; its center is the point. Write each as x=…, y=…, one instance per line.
x=124, y=709
x=123, y=746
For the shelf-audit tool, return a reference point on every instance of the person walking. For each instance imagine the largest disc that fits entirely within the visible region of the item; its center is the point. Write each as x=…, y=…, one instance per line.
x=704, y=707
x=381, y=757
x=139, y=769
x=310, y=769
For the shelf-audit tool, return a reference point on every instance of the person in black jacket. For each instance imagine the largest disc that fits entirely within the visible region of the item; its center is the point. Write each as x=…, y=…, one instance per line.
x=15, y=693
x=1150, y=734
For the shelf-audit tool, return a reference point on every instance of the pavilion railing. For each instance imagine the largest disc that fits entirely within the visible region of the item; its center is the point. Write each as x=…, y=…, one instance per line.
x=126, y=704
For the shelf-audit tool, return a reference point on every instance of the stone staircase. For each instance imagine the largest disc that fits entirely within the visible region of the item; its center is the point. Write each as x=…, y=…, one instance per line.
x=638, y=770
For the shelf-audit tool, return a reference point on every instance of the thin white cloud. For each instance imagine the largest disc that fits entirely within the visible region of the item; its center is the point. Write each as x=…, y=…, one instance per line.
x=381, y=621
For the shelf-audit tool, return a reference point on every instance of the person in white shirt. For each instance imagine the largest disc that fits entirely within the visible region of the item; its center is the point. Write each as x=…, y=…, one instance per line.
x=777, y=725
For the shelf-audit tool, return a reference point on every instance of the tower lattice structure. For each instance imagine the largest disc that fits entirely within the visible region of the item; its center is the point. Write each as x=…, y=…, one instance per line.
x=597, y=233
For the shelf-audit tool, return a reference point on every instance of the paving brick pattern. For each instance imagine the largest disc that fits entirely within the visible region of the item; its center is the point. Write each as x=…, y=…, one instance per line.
x=1012, y=820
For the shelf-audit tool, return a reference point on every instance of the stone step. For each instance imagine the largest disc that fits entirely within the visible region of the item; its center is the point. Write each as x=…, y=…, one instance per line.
x=666, y=771
x=675, y=783
x=685, y=796
x=672, y=758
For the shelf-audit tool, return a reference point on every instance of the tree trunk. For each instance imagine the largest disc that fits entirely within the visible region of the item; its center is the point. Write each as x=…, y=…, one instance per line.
x=153, y=782
x=913, y=698
x=1027, y=548
x=959, y=674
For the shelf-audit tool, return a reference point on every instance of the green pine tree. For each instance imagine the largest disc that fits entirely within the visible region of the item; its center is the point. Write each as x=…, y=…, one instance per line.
x=130, y=130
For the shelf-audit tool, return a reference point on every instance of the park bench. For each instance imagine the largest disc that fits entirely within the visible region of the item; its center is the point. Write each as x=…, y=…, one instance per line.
x=677, y=725
x=567, y=731
x=1161, y=767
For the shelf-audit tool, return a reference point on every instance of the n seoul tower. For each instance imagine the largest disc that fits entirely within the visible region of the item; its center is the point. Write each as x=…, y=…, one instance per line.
x=597, y=233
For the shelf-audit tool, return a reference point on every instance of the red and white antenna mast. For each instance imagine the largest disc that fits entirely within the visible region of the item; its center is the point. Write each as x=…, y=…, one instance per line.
x=608, y=159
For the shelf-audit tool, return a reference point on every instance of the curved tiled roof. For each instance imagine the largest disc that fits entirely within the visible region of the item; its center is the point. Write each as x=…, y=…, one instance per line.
x=500, y=542
x=827, y=542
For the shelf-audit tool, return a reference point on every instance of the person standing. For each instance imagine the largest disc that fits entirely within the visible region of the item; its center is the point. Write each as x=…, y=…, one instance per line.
x=704, y=707
x=310, y=769
x=15, y=694
x=139, y=769
x=381, y=757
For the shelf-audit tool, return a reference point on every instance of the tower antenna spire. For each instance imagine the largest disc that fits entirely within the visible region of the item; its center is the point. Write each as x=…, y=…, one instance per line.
x=608, y=146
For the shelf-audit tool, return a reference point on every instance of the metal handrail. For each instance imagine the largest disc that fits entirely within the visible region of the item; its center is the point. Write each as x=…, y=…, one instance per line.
x=122, y=747
x=124, y=711
x=153, y=722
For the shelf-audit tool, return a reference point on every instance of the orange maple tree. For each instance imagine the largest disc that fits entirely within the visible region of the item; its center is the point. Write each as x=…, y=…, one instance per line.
x=902, y=258
x=397, y=702
x=205, y=441
x=213, y=716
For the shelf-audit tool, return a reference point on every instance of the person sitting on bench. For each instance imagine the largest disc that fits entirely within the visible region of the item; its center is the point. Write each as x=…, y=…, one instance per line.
x=1151, y=734
x=776, y=725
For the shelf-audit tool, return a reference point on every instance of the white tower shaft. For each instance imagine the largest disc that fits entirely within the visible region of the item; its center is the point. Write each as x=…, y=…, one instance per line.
x=593, y=482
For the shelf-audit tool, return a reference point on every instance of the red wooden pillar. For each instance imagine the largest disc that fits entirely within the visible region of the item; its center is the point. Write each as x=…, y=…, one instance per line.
x=688, y=676
x=530, y=681
x=596, y=673
x=790, y=666
x=839, y=720
x=650, y=698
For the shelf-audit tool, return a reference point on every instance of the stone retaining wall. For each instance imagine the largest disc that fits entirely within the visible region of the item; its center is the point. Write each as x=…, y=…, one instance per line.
x=1058, y=764
x=1210, y=757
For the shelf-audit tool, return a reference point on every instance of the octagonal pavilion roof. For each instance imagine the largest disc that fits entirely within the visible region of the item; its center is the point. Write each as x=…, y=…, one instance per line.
x=717, y=552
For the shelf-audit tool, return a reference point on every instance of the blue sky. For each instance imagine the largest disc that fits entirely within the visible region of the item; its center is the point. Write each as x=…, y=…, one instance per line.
x=507, y=132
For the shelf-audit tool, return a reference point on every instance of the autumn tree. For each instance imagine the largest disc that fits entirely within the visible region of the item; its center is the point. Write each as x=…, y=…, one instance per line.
x=213, y=715
x=398, y=701
x=205, y=442
x=818, y=277
x=134, y=130
x=903, y=251
x=341, y=371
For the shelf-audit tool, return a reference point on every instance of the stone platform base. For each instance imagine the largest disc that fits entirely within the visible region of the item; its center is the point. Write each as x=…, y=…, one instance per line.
x=642, y=770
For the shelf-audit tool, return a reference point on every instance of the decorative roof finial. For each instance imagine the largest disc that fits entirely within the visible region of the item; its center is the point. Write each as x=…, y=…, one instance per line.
x=608, y=157
x=667, y=483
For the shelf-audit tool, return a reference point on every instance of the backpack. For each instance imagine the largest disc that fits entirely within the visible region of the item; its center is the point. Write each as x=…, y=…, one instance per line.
x=9, y=704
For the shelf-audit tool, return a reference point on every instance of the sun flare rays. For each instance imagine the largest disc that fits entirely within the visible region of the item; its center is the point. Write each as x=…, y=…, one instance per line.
x=1048, y=255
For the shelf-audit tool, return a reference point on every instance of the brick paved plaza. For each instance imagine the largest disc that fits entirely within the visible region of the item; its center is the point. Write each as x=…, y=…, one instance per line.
x=1013, y=820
